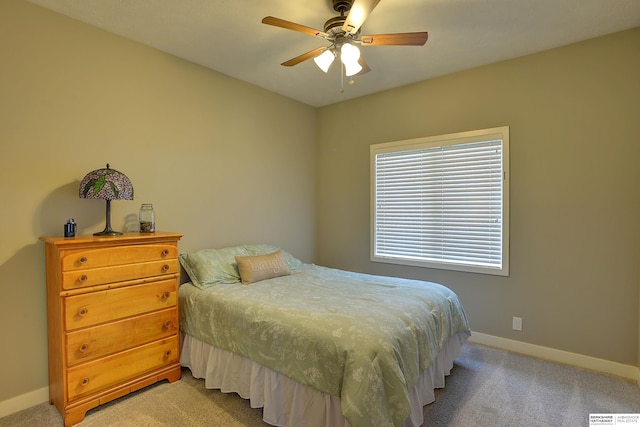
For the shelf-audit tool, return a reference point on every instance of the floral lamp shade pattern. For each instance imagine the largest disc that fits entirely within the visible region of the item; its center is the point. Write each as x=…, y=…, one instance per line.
x=106, y=184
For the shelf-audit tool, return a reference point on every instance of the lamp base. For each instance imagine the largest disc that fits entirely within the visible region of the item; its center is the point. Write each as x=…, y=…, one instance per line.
x=108, y=232
x=107, y=228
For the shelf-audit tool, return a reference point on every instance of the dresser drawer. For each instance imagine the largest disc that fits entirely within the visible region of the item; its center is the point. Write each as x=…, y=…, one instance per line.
x=102, y=373
x=104, y=257
x=94, y=308
x=91, y=343
x=118, y=273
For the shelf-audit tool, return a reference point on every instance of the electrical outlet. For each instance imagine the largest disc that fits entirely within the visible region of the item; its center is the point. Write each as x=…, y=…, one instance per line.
x=517, y=323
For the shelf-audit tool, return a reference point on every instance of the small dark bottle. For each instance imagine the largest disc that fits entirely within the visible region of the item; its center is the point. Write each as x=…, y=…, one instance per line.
x=70, y=228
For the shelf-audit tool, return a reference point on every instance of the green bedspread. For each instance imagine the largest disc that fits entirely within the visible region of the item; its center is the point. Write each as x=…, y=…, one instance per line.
x=360, y=337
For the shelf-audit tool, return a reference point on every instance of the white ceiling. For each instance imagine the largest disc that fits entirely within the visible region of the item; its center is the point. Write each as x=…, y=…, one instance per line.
x=228, y=36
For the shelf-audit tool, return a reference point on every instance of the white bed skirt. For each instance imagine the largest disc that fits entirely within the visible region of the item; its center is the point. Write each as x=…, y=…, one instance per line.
x=287, y=403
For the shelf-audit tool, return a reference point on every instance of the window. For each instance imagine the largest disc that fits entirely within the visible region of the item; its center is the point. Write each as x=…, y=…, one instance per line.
x=443, y=202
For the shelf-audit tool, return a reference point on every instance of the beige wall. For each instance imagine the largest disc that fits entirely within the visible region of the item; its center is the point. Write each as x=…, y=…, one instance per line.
x=222, y=161
x=575, y=189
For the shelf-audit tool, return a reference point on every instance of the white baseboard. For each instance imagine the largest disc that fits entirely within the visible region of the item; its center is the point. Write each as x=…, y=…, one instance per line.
x=582, y=361
x=24, y=401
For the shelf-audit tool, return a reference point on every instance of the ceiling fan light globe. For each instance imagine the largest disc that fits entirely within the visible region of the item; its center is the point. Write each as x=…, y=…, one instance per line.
x=324, y=60
x=349, y=53
x=351, y=68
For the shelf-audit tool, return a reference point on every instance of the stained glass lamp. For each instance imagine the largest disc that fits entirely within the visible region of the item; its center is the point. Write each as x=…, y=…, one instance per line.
x=107, y=184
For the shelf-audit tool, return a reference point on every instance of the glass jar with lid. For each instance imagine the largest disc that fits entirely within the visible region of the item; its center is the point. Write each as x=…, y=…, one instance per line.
x=147, y=218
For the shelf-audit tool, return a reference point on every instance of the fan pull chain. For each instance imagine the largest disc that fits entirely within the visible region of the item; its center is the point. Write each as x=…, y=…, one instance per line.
x=341, y=78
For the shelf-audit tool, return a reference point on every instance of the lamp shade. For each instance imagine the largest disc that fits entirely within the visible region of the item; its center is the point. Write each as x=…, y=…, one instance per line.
x=349, y=53
x=106, y=184
x=325, y=59
x=352, y=68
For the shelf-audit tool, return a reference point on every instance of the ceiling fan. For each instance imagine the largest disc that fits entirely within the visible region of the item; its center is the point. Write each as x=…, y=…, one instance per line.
x=344, y=34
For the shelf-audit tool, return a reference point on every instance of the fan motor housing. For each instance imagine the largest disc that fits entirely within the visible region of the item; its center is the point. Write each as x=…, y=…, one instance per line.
x=332, y=23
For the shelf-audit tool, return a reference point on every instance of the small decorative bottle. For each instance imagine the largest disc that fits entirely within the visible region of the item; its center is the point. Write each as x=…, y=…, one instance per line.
x=147, y=218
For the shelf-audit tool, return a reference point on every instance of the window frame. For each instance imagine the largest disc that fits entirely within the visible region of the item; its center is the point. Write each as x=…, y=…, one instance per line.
x=482, y=135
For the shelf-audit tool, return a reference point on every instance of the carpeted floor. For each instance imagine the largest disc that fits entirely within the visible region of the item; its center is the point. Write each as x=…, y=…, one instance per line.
x=491, y=387
x=487, y=387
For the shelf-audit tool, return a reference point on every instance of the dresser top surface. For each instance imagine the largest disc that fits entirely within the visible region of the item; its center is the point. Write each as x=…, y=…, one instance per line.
x=125, y=238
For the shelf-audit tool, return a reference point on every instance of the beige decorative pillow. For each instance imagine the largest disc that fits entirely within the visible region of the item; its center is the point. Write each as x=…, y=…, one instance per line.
x=261, y=267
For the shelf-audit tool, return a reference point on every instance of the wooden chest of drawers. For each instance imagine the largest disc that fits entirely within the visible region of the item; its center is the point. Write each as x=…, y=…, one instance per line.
x=112, y=317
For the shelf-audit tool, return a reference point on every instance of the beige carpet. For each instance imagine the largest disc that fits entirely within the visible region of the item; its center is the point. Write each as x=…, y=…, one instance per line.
x=183, y=403
x=487, y=387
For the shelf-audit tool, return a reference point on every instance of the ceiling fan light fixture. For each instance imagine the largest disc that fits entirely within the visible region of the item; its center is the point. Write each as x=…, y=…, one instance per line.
x=344, y=34
x=325, y=59
x=349, y=54
x=352, y=68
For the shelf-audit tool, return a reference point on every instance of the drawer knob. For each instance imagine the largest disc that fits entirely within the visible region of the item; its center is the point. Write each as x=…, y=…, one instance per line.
x=166, y=295
x=83, y=348
x=167, y=353
x=165, y=252
x=167, y=324
x=83, y=278
x=83, y=260
x=83, y=312
x=165, y=267
x=84, y=381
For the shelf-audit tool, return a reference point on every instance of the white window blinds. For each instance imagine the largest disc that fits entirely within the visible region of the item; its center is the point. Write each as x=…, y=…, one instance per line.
x=441, y=203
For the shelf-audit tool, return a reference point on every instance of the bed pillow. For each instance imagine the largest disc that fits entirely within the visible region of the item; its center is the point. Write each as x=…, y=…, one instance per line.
x=208, y=267
x=260, y=267
x=262, y=249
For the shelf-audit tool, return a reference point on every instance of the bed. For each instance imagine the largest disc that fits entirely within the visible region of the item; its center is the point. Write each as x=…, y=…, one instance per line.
x=315, y=346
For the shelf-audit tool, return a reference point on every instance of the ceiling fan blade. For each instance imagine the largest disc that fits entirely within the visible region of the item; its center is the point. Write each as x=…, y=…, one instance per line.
x=365, y=67
x=398, y=39
x=277, y=22
x=298, y=59
x=359, y=12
